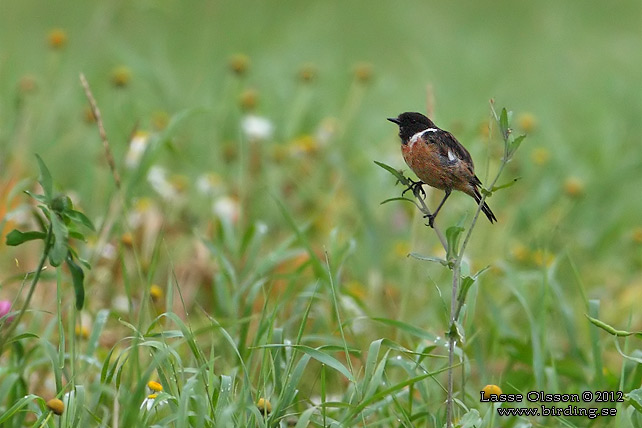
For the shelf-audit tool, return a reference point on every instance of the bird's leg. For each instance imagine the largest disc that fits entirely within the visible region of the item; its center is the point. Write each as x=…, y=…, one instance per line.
x=416, y=188
x=431, y=217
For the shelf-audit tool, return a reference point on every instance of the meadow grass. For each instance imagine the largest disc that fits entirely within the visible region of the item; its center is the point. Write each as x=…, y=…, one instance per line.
x=249, y=269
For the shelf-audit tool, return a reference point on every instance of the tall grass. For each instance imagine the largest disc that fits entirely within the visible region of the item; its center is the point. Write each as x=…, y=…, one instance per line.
x=256, y=279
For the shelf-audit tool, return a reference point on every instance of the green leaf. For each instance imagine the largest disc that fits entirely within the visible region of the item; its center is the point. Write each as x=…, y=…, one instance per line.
x=78, y=278
x=457, y=332
x=77, y=235
x=428, y=259
x=468, y=282
x=407, y=328
x=248, y=236
x=304, y=418
x=15, y=237
x=453, y=234
x=402, y=179
x=611, y=330
x=635, y=399
x=503, y=123
x=636, y=419
x=18, y=406
x=291, y=388
x=472, y=419
x=632, y=357
x=19, y=337
x=80, y=218
x=320, y=357
x=514, y=145
x=61, y=233
x=39, y=198
x=386, y=394
x=45, y=179
x=397, y=199
x=506, y=185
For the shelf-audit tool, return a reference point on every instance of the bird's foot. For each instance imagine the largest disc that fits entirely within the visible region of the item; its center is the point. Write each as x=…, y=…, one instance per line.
x=431, y=220
x=417, y=189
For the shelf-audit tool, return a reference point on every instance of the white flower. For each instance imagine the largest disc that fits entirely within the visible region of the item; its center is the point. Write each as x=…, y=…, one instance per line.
x=261, y=227
x=120, y=303
x=208, y=184
x=226, y=208
x=148, y=403
x=327, y=130
x=257, y=127
x=137, y=147
x=157, y=178
x=109, y=252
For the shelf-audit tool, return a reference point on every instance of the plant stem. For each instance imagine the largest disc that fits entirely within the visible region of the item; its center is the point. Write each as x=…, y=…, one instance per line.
x=452, y=340
x=14, y=323
x=424, y=209
x=456, y=304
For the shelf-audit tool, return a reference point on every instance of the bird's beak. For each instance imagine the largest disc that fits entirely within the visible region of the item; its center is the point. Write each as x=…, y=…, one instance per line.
x=394, y=120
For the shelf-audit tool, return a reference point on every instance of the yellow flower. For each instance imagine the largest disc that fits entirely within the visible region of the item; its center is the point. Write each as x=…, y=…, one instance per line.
x=239, y=64
x=307, y=73
x=57, y=38
x=248, y=99
x=82, y=332
x=179, y=181
x=573, y=187
x=152, y=396
x=143, y=204
x=264, y=406
x=121, y=76
x=357, y=289
x=520, y=252
x=305, y=144
x=127, y=239
x=491, y=389
x=527, y=122
x=155, y=292
x=154, y=386
x=543, y=258
x=56, y=406
x=540, y=156
x=363, y=72
x=160, y=119
x=402, y=248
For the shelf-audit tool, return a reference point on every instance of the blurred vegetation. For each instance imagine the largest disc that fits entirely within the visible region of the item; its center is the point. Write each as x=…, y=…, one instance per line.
x=244, y=231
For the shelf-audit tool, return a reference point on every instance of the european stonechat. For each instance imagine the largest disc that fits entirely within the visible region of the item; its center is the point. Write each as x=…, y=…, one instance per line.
x=438, y=159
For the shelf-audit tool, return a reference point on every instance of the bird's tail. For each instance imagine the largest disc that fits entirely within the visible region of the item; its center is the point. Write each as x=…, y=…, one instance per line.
x=485, y=208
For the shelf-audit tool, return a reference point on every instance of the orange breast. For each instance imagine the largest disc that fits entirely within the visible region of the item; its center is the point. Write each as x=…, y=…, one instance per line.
x=425, y=163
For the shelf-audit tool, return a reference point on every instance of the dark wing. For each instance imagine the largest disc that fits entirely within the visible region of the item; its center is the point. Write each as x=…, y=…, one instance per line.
x=445, y=142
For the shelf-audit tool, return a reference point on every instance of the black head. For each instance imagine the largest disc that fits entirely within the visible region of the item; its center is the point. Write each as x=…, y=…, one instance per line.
x=410, y=123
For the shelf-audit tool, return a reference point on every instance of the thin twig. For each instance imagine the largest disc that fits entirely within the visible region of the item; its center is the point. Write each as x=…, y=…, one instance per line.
x=451, y=343
x=455, y=304
x=424, y=209
x=101, y=129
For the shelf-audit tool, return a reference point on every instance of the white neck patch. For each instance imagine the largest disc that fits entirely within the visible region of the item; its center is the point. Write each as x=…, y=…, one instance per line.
x=418, y=135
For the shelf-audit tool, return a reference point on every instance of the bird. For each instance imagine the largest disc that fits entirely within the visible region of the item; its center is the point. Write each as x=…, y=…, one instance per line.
x=438, y=159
